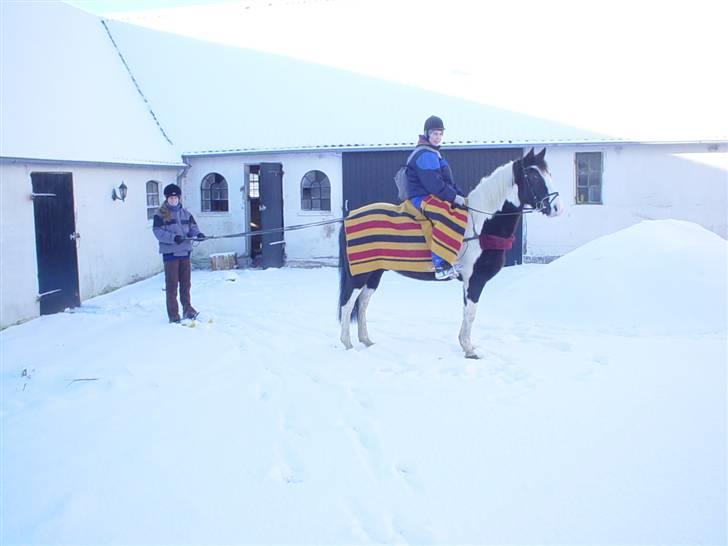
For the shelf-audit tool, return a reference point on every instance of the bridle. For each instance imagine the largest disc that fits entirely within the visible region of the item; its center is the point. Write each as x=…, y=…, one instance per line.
x=544, y=202
x=540, y=204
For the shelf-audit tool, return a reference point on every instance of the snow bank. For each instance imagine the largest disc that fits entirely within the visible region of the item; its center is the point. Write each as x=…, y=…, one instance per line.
x=656, y=277
x=257, y=427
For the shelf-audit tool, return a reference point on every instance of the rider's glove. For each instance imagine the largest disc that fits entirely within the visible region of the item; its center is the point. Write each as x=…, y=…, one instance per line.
x=460, y=201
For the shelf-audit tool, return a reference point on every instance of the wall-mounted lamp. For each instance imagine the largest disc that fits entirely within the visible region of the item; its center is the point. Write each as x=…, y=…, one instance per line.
x=122, y=192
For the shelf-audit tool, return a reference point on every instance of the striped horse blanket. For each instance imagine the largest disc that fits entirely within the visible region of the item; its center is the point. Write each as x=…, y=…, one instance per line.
x=401, y=238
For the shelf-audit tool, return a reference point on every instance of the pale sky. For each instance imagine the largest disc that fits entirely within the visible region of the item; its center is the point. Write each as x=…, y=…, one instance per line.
x=101, y=7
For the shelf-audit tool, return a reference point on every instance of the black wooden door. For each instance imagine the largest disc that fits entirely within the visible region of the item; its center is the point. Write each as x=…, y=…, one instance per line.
x=271, y=214
x=368, y=177
x=55, y=241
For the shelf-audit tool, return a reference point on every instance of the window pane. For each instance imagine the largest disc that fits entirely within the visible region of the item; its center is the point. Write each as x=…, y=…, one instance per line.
x=315, y=191
x=588, y=177
x=595, y=194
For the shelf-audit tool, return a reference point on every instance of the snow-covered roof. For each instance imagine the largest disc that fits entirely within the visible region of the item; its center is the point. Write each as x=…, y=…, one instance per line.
x=307, y=74
x=215, y=98
x=66, y=94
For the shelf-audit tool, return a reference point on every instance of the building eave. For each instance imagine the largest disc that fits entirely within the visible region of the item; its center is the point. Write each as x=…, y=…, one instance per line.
x=115, y=163
x=467, y=144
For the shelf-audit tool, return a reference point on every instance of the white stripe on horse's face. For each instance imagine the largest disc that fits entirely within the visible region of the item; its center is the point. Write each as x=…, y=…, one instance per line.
x=557, y=207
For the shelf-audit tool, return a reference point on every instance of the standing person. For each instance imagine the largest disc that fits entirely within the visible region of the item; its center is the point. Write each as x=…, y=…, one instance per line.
x=175, y=228
x=432, y=190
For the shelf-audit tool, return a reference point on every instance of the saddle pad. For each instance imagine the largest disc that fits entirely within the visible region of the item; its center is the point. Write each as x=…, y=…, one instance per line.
x=386, y=236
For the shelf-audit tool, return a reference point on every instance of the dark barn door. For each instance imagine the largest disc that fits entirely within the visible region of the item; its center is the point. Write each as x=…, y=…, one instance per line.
x=55, y=241
x=368, y=177
x=271, y=214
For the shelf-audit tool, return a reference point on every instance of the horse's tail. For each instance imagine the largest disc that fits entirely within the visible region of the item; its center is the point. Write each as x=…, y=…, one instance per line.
x=346, y=284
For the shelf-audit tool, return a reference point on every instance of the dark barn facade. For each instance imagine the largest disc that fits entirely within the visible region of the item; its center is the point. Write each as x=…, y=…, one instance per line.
x=367, y=177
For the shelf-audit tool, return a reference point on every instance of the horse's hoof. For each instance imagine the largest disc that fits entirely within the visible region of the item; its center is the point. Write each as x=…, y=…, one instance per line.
x=367, y=342
x=472, y=356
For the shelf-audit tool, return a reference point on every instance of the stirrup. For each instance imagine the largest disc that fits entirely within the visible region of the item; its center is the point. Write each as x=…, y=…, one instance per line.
x=446, y=273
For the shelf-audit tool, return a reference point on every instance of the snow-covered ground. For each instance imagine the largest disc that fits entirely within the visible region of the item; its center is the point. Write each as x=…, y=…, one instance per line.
x=597, y=414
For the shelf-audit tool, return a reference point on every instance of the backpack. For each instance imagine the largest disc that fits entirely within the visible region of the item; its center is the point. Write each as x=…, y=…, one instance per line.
x=400, y=177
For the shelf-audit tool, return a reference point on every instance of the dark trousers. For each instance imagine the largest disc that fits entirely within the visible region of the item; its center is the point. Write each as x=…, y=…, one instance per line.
x=178, y=272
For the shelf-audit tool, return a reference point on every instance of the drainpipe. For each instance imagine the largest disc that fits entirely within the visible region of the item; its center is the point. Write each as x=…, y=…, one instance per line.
x=183, y=172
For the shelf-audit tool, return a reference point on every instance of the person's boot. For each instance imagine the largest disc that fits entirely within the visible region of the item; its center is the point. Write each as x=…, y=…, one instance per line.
x=446, y=272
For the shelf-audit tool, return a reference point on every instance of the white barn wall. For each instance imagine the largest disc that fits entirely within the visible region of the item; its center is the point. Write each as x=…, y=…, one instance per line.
x=640, y=182
x=116, y=246
x=319, y=242
x=18, y=265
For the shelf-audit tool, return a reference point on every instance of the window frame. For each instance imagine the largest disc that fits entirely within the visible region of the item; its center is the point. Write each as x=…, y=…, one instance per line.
x=589, y=179
x=317, y=182
x=208, y=186
x=152, y=209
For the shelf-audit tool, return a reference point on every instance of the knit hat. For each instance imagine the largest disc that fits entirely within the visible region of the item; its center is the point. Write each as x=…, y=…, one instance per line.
x=432, y=123
x=172, y=189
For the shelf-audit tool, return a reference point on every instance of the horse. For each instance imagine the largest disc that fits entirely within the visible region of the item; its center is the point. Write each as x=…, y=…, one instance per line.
x=494, y=208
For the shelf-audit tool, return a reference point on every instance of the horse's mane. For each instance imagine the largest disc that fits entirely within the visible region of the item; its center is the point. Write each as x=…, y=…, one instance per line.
x=492, y=191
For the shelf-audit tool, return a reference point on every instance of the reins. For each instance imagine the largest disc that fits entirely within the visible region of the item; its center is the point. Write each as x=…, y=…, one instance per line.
x=540, y=204
x=339, y=220
x=271, y=230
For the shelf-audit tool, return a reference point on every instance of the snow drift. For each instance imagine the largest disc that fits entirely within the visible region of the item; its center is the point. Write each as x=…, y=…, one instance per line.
x=658, y=277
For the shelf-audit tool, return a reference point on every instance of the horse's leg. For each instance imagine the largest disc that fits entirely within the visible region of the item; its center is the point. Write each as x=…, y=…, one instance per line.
x=350, y=288
x=484, y=269
x=345, y=318
x=364, y=297
x=464, y=337
x=472, y=288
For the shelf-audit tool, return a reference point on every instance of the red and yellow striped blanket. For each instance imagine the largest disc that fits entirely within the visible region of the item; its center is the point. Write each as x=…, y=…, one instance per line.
x=400, y=238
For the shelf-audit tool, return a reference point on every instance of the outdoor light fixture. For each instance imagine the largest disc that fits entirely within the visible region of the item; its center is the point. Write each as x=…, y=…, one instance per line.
x=122, y=192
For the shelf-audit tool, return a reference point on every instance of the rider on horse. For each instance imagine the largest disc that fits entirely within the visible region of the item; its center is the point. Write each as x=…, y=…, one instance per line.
x=431, y=189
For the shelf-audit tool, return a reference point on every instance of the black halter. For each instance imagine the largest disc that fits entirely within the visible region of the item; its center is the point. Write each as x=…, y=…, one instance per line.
x=545, y=201
x=541, y=204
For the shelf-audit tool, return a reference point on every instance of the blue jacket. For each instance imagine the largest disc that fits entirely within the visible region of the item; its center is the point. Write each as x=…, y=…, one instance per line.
x=169, y=222
x=429, y=174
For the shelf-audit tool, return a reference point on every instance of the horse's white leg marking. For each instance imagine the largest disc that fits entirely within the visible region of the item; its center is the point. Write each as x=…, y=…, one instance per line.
x=468, y=317
x=346, y=318
x=361, y=318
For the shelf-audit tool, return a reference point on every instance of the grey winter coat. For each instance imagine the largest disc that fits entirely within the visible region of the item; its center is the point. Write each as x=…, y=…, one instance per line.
x=169, y=222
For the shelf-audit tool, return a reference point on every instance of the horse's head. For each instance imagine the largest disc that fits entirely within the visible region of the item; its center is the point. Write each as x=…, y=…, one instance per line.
x=532, y=176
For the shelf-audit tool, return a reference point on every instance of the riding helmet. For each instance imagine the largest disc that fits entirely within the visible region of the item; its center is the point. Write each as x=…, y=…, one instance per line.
x=432, y=123
x=172, y=189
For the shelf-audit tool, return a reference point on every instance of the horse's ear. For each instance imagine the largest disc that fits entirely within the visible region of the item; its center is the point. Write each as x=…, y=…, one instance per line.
x=539, y=155
x=529, y=156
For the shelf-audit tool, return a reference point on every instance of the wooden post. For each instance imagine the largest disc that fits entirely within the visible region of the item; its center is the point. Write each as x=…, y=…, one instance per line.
x=223, y=260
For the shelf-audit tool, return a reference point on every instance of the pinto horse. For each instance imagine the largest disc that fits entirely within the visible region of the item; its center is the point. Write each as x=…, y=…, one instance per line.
x=494, y=209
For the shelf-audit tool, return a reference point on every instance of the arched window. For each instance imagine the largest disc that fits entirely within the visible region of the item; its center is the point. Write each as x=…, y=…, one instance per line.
x=152, y=198
x=214, y=193
x=315, y=191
